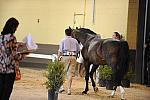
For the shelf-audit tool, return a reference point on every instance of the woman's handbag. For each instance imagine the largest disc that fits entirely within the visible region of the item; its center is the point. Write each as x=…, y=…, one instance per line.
x=18, y=74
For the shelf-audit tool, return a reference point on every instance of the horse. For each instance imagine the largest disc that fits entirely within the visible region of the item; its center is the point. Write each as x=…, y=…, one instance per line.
x=99, y=51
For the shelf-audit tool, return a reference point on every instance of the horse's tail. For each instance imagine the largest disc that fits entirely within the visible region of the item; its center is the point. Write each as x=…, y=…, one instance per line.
x=123, y=58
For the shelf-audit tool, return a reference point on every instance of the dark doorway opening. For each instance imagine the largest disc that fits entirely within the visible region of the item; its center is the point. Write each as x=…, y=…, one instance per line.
x=142, y=34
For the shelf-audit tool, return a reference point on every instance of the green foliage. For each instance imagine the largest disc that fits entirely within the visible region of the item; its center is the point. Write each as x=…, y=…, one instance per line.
x=105, y=72
x=55, y=75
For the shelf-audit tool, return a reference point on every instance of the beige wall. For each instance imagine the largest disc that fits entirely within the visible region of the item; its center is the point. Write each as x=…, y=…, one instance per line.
x=56, y=15
x=132, y=23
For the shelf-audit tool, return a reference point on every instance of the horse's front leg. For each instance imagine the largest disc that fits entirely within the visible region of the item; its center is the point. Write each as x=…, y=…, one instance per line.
x=94, y=67
x=86, y=78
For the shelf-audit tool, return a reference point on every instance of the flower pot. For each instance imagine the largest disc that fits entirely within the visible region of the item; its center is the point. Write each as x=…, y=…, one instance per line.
x=52, y=95
x=109, y=85
x=125, y=83
x=102, y=83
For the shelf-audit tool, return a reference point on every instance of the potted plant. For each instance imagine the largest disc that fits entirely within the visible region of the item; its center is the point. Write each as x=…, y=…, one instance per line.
x=102, y=79
x=105, y=73
x=55, y=75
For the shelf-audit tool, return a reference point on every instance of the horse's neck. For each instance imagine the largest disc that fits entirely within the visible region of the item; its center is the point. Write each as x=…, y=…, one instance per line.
x=81, y=37
x=85, y=38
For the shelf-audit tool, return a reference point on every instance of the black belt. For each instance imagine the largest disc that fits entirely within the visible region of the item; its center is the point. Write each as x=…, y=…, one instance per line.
x=69, y=55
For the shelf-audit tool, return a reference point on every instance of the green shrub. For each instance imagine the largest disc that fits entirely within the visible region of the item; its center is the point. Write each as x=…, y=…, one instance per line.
x=105, y=72
x=55, y=75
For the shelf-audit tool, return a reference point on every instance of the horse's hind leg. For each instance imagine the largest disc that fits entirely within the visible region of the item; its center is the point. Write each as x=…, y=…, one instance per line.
x=122, y=92
x=91, y=76
x=113, y=92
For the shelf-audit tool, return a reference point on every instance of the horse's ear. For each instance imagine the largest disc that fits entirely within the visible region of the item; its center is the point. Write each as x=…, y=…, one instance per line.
x=77, y=28
x=70, y=28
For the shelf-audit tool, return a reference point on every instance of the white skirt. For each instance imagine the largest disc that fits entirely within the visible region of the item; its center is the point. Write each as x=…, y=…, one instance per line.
x=80, y=58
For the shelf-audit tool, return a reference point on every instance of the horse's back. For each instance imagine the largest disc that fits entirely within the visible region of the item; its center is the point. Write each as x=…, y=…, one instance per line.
x=110, y=47
x=114, y=44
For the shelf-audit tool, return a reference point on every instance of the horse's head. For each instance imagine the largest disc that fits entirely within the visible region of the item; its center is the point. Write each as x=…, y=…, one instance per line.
x=71, y=30
x=81, y=34
x=73, y=33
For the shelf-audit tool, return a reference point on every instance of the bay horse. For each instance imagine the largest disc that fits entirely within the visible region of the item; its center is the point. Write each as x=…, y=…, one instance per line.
x=99, y=51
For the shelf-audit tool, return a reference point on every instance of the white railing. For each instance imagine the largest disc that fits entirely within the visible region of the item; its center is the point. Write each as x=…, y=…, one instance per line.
x=43, y=56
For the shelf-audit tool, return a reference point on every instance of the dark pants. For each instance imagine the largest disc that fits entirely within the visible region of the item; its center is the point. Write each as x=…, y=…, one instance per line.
x=6, y=85
x=148, y=72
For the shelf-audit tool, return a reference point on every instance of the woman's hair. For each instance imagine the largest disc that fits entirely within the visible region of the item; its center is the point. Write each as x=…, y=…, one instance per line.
x=10, y=26
x=118, y=35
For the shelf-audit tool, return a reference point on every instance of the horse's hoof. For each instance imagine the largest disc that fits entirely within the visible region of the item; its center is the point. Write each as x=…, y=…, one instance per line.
x=111, y=96
x=96, y=89
x=84, y=92
x=123, y=98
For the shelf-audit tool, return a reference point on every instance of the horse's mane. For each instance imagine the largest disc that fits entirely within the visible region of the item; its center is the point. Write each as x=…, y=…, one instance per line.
x=85, y=30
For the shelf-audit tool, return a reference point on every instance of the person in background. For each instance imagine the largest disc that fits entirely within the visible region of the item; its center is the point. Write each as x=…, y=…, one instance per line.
x=147, y=59
x=68, y=49
x=116, y=36
x=79, y=62
x=9, y=58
